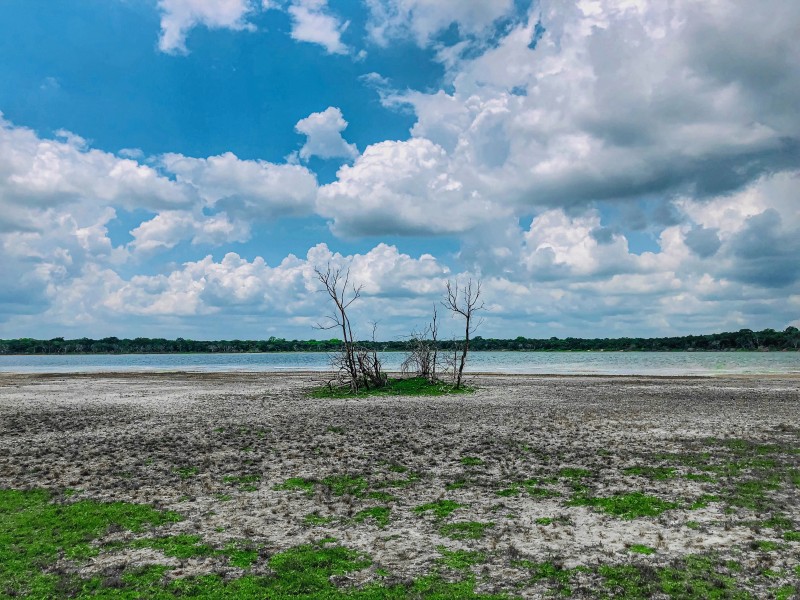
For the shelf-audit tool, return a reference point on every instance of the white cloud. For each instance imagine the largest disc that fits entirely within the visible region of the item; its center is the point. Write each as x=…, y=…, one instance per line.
x=247, y=189
x=178, y=17
x=313, y=22
x=323, y=131
x=423, y=19
x=402, y=187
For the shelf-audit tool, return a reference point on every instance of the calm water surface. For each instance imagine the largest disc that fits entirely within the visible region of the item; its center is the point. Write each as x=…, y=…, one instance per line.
x=599, y=363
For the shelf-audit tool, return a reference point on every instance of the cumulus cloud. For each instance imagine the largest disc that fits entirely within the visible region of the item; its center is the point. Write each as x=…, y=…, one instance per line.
x=421, y=20
x=246, y=189
x=178, y=17
x=313, y=22
x=405, y=188
x=323, y=131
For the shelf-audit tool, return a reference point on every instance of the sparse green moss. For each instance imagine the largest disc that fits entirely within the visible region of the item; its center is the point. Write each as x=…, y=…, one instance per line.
x=341, y=485
x=297, y=483
x=626, y=506
x=460, y=559
x=465, y=530
x=380, y=514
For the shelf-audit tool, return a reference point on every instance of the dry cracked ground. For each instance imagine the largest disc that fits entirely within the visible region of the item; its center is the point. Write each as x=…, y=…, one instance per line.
x=529, y=487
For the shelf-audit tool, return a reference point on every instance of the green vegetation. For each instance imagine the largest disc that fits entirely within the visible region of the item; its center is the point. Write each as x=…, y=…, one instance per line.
x=659, y=473
x=35, y=531
x=744, y=339
x=465, y=530
x=297, y=483
x=440, y=508
x=314, y=519
x=186, y=472
x=342, y=485
x=460, y=559
x=409, y=386
x=380, y=514
x=572, y=473
x=626, y=506
x=547, y=571
x=641, y=549
x=471, y=461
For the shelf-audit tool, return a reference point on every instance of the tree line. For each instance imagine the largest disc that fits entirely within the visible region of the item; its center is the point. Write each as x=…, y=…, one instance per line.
x=742, y=340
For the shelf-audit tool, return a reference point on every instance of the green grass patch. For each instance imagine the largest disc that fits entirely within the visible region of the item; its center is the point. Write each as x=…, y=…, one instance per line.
x=642, y=549
x=626, y=506
x=703, y=501
x=346, y=485
x=179, y=546
x=699, y=477
x=381, y=496
x=380, y=514
x=547, y=571
x=314, y=519
x=34, y=532
x=440, y=508
x=471, y=461
x=465, y=530
x=297, y=484
x=407, y=386
x=573, y=473
x=460, y=559
x=186, y=472
x=455, y=485
x=791, y=536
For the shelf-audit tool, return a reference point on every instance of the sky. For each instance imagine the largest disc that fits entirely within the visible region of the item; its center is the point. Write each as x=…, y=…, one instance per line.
x=605, y=168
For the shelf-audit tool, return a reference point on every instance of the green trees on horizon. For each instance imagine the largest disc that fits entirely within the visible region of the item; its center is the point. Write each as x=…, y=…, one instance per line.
x=742, y=340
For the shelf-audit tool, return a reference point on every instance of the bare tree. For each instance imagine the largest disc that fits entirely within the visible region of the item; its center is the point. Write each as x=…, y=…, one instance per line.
x=422, y=357
x=464, y=301
x=356, y=366
x=336, y=285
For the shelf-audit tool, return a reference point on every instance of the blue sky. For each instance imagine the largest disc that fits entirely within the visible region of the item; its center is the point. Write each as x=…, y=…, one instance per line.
x=179, y=167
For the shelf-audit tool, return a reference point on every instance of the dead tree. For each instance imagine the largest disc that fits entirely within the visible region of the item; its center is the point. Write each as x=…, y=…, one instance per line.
x=343, y=293
x=356, y=366
x=464, y=302
x=422, y=357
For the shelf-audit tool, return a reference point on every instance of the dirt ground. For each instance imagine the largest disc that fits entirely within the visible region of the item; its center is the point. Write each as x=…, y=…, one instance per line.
x=541, y=469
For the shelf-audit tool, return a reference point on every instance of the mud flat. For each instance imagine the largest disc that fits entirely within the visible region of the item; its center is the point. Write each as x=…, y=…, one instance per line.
x=530, y=486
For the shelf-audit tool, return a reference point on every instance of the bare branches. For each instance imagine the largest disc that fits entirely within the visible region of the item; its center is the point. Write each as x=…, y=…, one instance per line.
x=356, y=367
x=464, y=301
x=423, y=351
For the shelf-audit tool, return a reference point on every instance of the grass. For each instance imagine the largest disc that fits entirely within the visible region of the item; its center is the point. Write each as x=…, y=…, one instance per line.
x=460, y=559
x=314, y=519
x=471, y=461
x=297, y=483
x=346, y=485
x=408, y=386
x=465, y=530
x=379, y=514
x=626, y=506
x=35, y=531
x=441, y=508
x=642, y=549
x=186, y=472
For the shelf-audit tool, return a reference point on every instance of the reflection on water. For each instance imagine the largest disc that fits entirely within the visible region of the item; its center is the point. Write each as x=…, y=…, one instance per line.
x=600, y=363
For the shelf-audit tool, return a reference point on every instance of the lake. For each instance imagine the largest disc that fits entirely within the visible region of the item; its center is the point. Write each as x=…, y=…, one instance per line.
x=575, y=363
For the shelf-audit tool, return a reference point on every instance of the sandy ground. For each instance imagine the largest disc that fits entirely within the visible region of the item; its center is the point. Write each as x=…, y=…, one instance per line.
x=172, y=439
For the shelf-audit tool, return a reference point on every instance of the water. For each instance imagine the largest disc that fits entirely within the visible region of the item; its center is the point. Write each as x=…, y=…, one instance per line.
x=576, y=363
